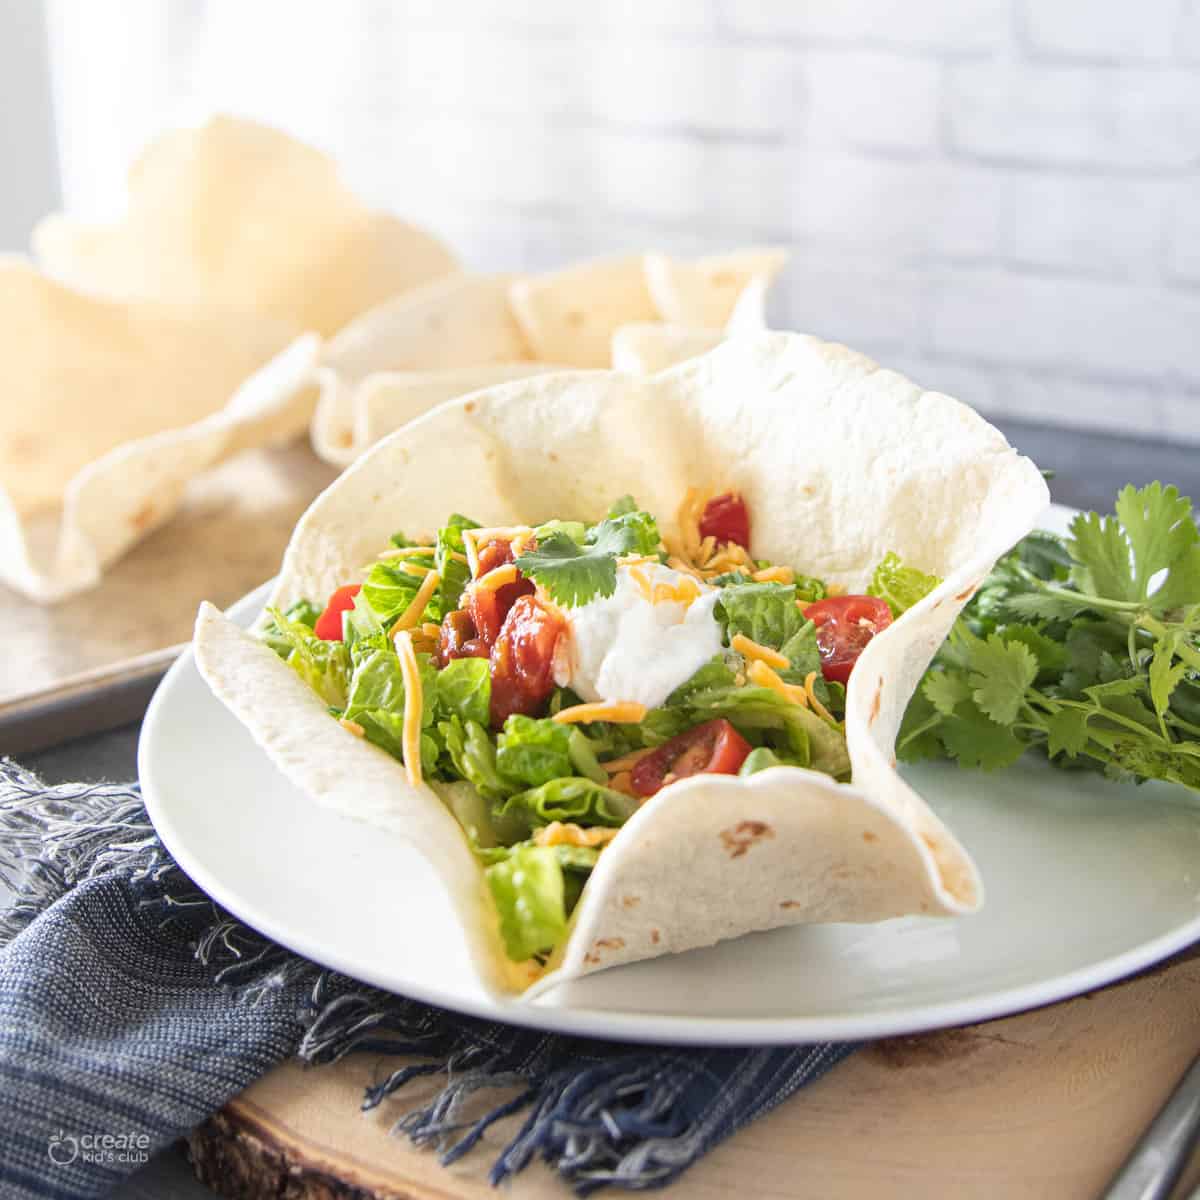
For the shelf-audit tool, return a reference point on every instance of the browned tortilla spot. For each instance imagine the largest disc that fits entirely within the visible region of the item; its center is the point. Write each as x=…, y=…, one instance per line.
x=345, y=438
x=575, y=318
x=743, y=835
x=791, y=904
x=654, y=936
x=968, y=593
x=591, y=960
x=614, y=943
x=875, y=705
x=144, y=515
x=630, y=901
x=868, y=836
x=470, y=406
x=723, y=278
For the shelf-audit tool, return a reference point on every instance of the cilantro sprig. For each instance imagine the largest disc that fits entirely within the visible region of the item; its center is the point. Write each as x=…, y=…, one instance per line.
x=575, y=574
x=1087, y=647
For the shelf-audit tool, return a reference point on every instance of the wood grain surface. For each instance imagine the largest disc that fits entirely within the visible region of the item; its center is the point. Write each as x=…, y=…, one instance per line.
x=227, y=538
x=1045, y=1104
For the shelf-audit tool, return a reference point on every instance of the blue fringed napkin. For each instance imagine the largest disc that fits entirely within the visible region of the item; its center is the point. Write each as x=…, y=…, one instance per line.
x=132, y=1007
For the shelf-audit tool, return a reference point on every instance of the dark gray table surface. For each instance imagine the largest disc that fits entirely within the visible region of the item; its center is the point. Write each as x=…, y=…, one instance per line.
x=1089, y=469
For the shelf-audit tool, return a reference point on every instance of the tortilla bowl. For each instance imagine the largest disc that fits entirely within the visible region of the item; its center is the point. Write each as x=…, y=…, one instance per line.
x=840, y=462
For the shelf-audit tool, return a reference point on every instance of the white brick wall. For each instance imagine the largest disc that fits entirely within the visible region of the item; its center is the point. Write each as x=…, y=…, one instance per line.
x=1000, y=197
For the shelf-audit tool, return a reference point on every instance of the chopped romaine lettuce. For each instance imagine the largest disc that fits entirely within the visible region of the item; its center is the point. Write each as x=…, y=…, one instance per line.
x=759, y=759
x=464, y=689
x=766, y=613
x=324, y=666
x=472, y=756
x=453, y=571
x=575, y=530
x=530, y=752
x=527, y=889
x=899, y=585
x=573, y=799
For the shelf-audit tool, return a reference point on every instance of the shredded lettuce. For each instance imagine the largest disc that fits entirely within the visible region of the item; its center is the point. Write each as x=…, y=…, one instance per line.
x=637, y=527
x=622, y=505
x=376, y=702
x=766, y=613
x=573, y=799
x=389, y=589
x=899, y=585
x=531, y=752
x=759, y=759
x=454, y=573
x=324, y=666
x=575, y=530
x=527, y=889
x=464, y=689
x=472, y=756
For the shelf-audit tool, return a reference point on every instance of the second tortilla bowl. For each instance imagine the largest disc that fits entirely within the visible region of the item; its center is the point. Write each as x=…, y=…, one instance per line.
x=840, y=463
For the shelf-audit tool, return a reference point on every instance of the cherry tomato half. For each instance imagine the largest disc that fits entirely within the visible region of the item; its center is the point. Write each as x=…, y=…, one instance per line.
x=714, y=748
x=727, y=519
x=845, y=624
x=523, y=659
x=329, y=624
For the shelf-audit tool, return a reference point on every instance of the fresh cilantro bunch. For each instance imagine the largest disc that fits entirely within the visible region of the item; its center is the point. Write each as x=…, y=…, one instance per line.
x=1087, y=648
x=576, y=572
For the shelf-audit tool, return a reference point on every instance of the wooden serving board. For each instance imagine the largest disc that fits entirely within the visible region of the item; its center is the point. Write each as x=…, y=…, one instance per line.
x=1045, y=1104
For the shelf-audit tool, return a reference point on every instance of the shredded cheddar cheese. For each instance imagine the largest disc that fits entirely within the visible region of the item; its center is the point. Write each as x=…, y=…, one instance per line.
x=685, y=592
x=834, y=589
x=774, y=575
x=813, y=702
x=762, y=675
x=622, y=781
x=621, y=712
x=430, y=630
x=497, y=577
x=751, y=649
x=559, y=834
x=352, y=727
x=643, y=584
x=411, y=616
x=474, y=538
x=411, y=568
x=411, y=737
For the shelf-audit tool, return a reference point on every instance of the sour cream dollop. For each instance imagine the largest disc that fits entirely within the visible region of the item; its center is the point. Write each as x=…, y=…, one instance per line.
x=626, y=647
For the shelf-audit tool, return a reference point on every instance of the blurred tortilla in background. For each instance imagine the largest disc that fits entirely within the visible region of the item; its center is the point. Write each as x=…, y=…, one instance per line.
x=246, y=295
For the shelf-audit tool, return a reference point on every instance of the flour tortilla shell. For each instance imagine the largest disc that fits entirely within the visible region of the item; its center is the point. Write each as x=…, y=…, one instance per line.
x=111, y=407
x=461, y=324
x=569, y=316
x=839, y=462
x=704, y=293
x=350, y=418
x=237, y=215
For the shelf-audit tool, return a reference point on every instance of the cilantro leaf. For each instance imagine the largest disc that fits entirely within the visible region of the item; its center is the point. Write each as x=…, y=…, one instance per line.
x=1000, y=671
x=1067, y=732
x=977, y=741
x=574, y=574
x=946, y=690
x=1165, y=674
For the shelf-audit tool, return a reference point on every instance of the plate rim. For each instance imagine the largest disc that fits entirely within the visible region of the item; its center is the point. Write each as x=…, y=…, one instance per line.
x=678, y=1029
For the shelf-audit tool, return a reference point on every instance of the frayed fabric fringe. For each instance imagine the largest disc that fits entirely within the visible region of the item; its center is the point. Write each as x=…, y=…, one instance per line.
x=599, y=1113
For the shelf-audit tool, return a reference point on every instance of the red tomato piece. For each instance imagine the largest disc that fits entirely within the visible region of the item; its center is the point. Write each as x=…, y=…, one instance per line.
x=458, y=638
x=523, y=659
x=329, y=623
x=726, y=519
x=714, y=748
x=845, y=624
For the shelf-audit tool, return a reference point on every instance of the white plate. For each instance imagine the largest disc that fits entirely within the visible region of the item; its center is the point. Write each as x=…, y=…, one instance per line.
x=1086, y=882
